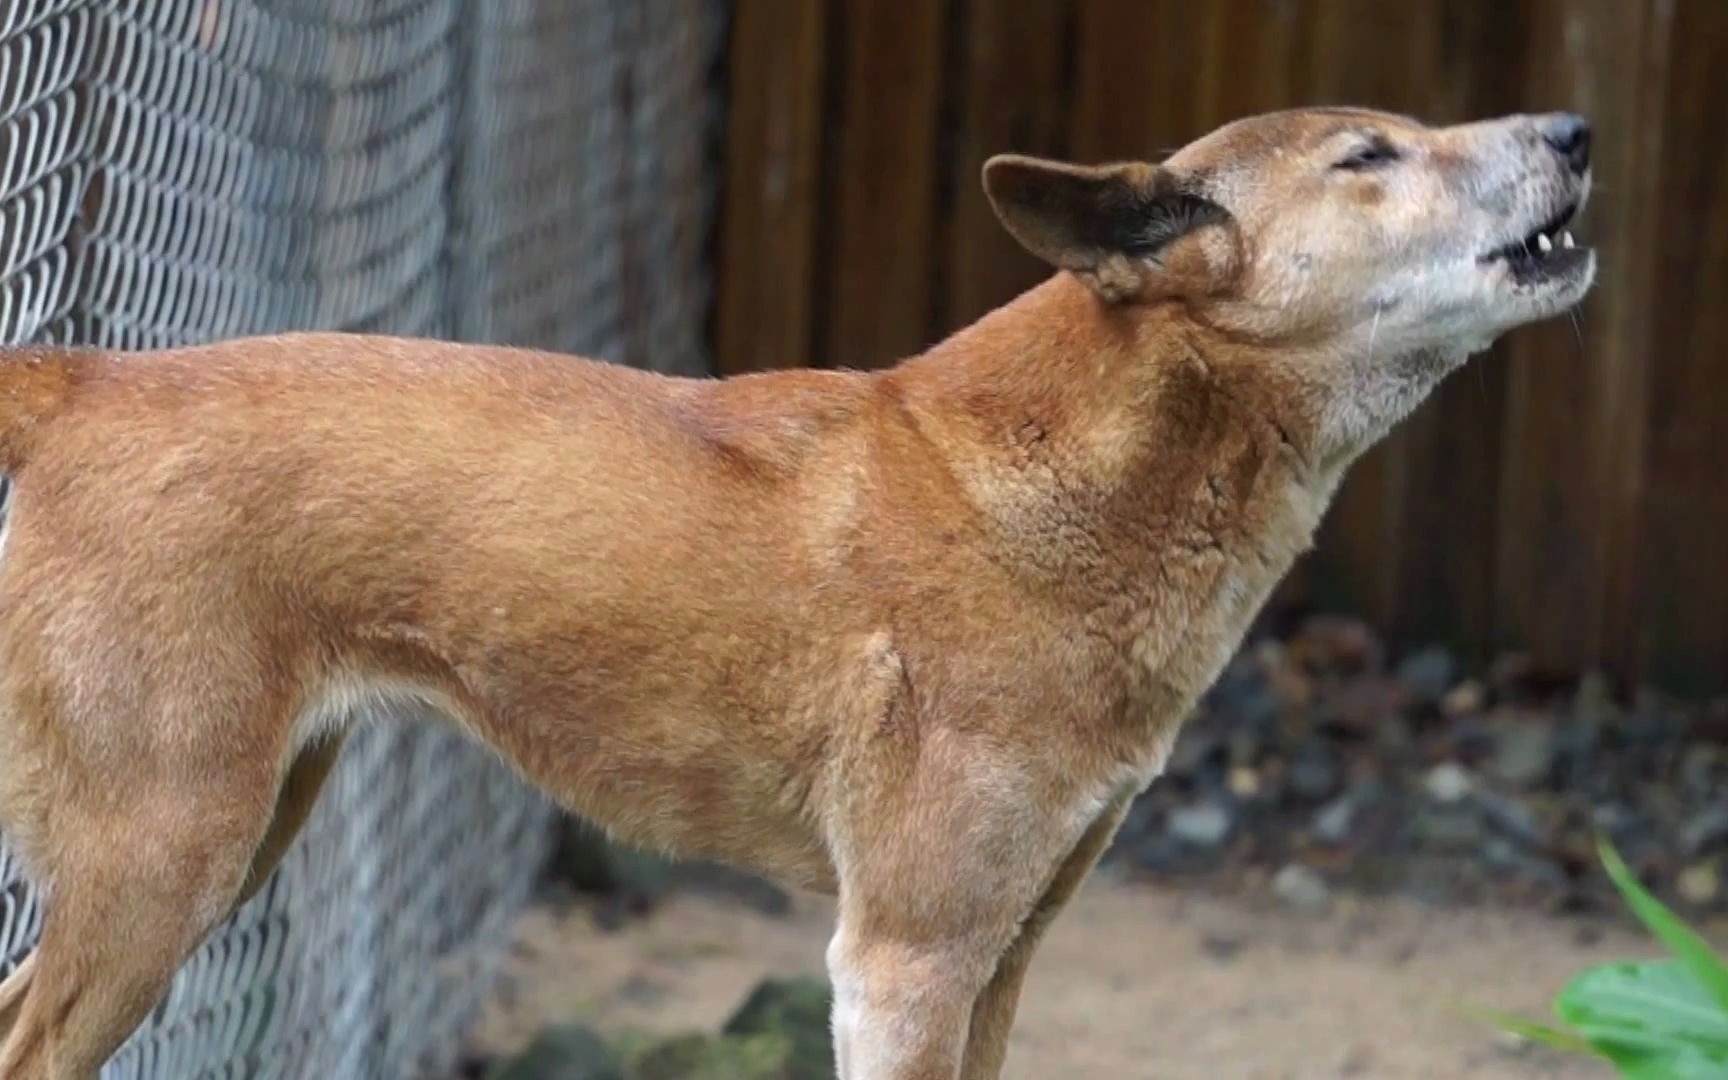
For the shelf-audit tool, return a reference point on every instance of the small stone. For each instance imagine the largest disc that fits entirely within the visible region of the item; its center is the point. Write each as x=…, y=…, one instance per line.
x=1519, y=863
x=1512, y=817
x=1301, y=888
x=1525, y=752
x=1465, y=699
x=1315, y=772
x=1244, y=782
x=1367, y=705
x=1244, y=697
x=1704, y=831
x=1699, y=884
x=1332, y=822
x=1428, y=673
x=1288, y=682
x=1221, y=947
x=1594, y=694
x=1614, y=818
x=1333, y=643
x=1453, y=827
x=1448, y=782
x=1204, y=825
x=1699, y=769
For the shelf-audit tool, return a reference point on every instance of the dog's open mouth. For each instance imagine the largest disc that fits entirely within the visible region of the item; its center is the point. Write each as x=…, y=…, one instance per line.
x=1548, y=252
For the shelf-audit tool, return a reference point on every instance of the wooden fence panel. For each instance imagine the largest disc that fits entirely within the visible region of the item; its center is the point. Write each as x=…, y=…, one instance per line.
x=883, y=182
x=764, y=291
x=1571, y=461
x=1683, y=544
x=1013, y=90
x=1135, y=87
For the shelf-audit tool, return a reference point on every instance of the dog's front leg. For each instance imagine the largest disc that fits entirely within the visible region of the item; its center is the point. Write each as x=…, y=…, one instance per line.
x=944, y=850
x=901, y=1007
x=993, y=1018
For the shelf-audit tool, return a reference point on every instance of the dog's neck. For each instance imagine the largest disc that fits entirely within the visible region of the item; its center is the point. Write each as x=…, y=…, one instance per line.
x=1058, y=413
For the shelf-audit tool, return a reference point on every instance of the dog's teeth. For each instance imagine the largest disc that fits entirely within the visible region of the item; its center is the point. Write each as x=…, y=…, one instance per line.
x=1566, y=240
x=1543, y=243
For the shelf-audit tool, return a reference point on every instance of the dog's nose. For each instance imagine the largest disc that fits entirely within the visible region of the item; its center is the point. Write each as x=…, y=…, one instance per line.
x=1569, y=134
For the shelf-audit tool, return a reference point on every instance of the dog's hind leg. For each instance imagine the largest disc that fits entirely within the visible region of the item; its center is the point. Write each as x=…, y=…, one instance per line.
x=140, y=873
x=300, y=790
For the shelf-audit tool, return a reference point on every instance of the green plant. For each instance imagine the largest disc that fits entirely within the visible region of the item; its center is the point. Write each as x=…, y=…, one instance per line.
x=1654, y=1020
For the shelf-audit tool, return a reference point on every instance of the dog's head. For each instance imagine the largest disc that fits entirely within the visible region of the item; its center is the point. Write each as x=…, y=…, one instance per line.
x=1349, y=234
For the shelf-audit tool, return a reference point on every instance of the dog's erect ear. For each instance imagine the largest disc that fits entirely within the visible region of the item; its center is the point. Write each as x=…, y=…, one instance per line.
x=1113, y=226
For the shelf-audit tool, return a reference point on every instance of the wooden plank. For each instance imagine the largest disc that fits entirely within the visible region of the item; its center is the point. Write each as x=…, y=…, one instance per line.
x=1013, y=100
x=1683, y=583
x=1448, y=455
x=771, y=198
x=1249, y=60
x=1136, y=79
x=1575, y=409
x=883, y=183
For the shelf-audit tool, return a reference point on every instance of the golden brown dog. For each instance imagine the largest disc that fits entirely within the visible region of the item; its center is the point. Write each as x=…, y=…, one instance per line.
x=917, y=636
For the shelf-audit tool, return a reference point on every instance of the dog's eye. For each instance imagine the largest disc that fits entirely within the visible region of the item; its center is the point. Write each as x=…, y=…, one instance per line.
x=1370, y=155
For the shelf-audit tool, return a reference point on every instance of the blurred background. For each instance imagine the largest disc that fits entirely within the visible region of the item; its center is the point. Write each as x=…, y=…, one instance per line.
x=1512, y=637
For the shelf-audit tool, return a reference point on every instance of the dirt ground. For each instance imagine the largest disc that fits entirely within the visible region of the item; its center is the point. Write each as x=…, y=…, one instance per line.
x=1133, y=982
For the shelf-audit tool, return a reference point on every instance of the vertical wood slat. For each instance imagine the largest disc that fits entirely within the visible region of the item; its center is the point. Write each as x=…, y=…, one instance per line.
x=1575, y=415
x=1251, y=51
x=1627, y=424
x=767, y=255
x=879, y=304
x=1683, y=573
x=1446, y=518
x=1014, y=100
x=1136, y=79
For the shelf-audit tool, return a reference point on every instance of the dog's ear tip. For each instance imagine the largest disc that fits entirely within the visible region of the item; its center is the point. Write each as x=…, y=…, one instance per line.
x=1004, y=173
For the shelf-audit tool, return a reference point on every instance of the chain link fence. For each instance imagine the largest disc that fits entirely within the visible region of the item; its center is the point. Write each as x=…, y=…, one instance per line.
x=524, y=171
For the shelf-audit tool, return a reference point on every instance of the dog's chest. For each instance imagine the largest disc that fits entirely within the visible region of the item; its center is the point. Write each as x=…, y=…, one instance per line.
x=1185, y=622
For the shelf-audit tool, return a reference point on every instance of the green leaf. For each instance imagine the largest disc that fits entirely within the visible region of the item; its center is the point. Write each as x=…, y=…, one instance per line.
x=1688, y=948
x=1677, y=1067
x=1649, y=1019
x=1534, y=1030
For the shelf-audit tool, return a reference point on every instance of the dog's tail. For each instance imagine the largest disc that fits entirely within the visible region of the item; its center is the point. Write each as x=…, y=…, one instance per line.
x=36, y=382
x=12, y=995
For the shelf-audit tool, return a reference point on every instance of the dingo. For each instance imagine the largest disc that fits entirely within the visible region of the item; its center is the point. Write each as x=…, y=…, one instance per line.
x=917, y=636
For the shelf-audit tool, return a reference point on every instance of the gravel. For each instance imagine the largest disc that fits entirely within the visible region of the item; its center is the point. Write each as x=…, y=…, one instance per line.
x=1322, y=758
